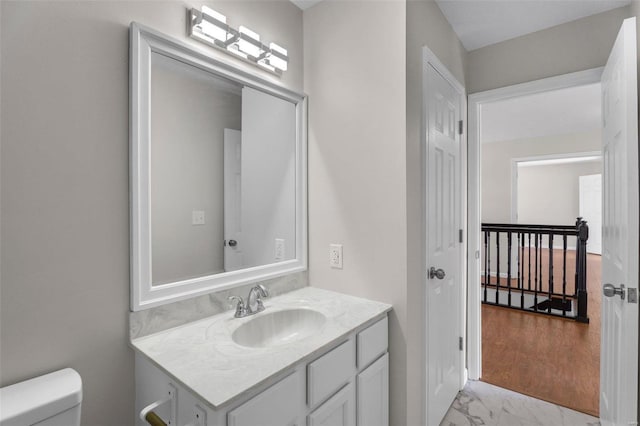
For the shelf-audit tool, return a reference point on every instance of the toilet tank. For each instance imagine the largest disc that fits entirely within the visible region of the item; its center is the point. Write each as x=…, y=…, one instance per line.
x=50, y=400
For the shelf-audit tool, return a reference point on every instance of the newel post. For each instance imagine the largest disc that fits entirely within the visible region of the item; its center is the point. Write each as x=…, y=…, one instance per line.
x=581, y=269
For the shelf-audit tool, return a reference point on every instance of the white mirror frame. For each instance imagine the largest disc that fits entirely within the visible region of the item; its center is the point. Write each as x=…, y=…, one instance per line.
x=143, y=42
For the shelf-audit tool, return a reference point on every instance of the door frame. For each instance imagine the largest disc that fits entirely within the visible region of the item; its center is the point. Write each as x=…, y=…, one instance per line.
x=430, y=59
x=474, y=203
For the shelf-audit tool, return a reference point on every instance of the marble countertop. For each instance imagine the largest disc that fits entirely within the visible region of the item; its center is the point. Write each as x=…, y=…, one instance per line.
x=202, y=356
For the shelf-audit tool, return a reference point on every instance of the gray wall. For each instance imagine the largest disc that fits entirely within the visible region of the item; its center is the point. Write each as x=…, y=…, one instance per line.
x=65, y=190
x=189, y=112
x=496, y=166
x=355, y=79
x=550, y=194
x=574, y=46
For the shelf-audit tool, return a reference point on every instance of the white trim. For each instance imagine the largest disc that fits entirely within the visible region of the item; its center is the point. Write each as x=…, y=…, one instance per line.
x=145, y=41
x=476, y=100
x=429, y=58
x=514, y=172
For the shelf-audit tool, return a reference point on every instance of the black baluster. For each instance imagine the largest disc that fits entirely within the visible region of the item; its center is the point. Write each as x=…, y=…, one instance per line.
x=535, y=288
x=509, y=268
x=486, y=263
x=529, y=263
x=521, y=269
x=497, y=268
x=564, y=274
x=550, y=270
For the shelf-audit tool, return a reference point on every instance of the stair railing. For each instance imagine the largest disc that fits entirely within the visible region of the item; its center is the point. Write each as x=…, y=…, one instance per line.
x=534, y=279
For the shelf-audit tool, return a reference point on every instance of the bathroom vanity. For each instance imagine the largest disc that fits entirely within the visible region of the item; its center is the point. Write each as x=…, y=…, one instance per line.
x=226, y=188
x=311, y=357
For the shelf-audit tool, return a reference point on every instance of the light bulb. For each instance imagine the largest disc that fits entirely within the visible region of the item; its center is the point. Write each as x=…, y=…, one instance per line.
x=211, y=29
x=247, y=47
x=277, y=61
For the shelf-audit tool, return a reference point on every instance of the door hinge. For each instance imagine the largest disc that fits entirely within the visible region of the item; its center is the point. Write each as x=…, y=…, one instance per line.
x=460, y=127
x=460, y=236
x=460, y=344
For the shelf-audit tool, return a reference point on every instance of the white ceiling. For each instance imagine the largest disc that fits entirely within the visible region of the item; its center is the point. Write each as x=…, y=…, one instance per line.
x=480, y=23
x=558, y=112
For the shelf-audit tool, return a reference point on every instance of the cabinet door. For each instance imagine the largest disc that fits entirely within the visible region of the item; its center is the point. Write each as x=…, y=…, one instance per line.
x=280, y=405
x=373, y=394
x=339, y=410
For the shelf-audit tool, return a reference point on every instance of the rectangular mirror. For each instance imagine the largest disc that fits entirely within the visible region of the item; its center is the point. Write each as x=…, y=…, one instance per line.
x=218, y=174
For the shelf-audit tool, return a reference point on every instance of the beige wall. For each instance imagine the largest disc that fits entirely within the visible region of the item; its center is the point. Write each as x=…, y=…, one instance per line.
x=496, y=166
x=550, y=194
x=64, y=175
x=571, y=47
x=355, y=79
x=426, y=26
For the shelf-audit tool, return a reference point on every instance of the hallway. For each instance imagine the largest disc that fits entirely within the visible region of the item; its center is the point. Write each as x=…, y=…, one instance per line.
x=549, y=358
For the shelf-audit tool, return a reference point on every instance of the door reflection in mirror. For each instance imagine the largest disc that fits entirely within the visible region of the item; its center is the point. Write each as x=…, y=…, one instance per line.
x=222, y=168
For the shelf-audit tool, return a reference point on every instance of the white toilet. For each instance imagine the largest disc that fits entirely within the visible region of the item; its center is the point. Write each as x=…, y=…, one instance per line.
x=50, y=400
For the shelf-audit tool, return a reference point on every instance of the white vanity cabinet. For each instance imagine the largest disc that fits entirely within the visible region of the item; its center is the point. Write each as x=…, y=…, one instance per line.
x=347, y=385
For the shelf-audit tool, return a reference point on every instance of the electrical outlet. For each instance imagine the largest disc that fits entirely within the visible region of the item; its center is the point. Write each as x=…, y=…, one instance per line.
x=335, y=256
x=279, y=249
x=197, y=217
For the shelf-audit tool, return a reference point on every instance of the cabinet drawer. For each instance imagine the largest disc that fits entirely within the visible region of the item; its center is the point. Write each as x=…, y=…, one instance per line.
x=372, y=342
x=279, y=405
x=330, y=372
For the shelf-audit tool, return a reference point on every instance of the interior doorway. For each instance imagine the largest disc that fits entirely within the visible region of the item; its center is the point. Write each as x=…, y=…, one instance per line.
x=540, y=304
x=619, y=144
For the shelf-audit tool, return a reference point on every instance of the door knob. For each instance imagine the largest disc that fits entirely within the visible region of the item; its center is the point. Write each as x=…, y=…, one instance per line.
x=233, y=243
x=436, y=273
x=610, y=290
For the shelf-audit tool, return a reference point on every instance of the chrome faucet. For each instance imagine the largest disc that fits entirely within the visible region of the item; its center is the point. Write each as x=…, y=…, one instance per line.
x=254, y=302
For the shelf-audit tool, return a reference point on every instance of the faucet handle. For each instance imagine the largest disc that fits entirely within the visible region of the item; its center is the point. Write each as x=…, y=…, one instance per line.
x=263, y=290
x=240, y=308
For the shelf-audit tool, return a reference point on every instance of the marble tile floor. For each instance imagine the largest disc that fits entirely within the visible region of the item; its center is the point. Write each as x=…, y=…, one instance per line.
x=480, y=403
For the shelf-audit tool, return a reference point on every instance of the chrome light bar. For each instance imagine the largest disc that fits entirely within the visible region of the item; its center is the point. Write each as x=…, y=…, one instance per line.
x=211, y=28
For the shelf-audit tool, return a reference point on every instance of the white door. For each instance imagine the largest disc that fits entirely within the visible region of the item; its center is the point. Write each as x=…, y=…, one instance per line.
x=590, y=189
x=233, y=258
x=444, y=296
x=619, y=347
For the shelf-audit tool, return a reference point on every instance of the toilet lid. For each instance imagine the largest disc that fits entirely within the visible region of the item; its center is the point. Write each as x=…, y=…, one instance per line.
x=39, y=398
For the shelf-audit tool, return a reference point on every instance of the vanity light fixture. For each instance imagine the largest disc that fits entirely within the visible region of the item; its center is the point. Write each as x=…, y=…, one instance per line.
x=278, y=58
x=210, y=27
x=249, y=42
x=214, y=25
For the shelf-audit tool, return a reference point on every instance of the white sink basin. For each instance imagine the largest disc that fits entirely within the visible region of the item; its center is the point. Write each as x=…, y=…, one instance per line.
x=278, y=328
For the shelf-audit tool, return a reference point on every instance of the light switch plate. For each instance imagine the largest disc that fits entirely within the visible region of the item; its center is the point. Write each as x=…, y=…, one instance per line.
x=197, y=217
